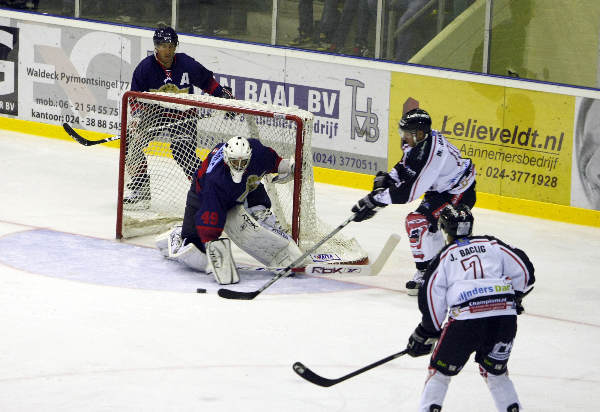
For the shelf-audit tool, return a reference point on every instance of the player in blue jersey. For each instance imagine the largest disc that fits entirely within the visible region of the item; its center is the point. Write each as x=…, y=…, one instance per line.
x=227, y=195
x=171, y=72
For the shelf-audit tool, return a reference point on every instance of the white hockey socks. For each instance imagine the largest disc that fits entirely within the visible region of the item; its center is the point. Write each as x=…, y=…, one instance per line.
x=220, y=261
x=434, y=391
x=502, y=390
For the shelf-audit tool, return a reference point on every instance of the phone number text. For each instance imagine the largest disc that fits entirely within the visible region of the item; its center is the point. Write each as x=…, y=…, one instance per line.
x=92, y=122
x=520, y=176
x=347, y=162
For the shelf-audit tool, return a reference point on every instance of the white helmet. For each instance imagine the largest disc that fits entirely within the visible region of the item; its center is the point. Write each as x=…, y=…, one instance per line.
x=237, y=153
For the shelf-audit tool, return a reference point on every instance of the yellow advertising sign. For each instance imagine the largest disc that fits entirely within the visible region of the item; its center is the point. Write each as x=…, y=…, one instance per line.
x=520, y=140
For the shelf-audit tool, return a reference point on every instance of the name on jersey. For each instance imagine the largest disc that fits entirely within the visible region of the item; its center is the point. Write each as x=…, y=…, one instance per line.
x=472, y=249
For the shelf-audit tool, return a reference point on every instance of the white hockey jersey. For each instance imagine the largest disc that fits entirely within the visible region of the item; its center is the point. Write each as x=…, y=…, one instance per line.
x=434, y=164
x=471, y=278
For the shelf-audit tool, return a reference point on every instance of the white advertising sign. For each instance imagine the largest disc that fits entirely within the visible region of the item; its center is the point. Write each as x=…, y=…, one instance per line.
x=74, y=75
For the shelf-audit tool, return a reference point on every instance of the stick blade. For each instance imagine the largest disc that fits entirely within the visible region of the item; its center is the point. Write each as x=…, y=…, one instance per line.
x=385, y=253
x=312, y=377
x=234, y=294
x=71, y=132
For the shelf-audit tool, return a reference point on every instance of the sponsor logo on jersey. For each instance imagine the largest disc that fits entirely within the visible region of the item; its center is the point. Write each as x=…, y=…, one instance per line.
x=325, y=257
x=487, y=305
x=485, y=290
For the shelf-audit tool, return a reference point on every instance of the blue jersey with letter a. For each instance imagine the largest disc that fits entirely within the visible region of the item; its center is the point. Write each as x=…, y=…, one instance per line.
x=217, y=191
x=181, y=77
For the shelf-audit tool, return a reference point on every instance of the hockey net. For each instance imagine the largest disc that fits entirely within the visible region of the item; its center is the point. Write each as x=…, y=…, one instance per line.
x=163, y=137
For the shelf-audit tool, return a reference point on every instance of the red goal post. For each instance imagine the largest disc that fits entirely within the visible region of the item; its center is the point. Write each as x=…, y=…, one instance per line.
x=165, y=135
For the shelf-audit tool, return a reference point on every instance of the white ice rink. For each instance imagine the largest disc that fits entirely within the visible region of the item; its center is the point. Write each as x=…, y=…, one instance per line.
x=91, y=324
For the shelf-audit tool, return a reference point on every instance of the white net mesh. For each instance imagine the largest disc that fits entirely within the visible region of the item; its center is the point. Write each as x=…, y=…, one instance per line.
x=167, y=135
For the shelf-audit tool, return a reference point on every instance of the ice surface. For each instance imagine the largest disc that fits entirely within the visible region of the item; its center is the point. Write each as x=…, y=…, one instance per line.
x=90, y=323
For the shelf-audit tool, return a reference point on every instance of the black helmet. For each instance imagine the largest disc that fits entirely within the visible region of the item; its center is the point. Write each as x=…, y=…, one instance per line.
x=456, y=221
x=165, y=35
x=415, y=119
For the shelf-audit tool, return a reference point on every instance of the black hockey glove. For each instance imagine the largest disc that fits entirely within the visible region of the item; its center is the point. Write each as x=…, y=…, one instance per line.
x=519, y=300
x=227, y=93
x=366, y=207
x=382, y=181
x=421, y=342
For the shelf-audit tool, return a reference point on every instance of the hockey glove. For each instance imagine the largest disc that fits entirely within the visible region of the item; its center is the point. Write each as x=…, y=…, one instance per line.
x=519, y=300
x=421, y=342
x=382, y=181
x=366, y=207
x=285, y=171
x=227, y=93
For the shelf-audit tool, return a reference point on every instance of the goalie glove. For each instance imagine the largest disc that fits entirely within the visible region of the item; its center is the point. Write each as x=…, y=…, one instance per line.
x=285, y=171
x=421, y=342
x=366, y=207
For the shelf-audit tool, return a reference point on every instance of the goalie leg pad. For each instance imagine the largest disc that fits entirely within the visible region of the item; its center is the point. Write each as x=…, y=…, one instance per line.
x=191, y=256
x=169, y=242
x=423, y=243
x=220, y=262
x=270, y=245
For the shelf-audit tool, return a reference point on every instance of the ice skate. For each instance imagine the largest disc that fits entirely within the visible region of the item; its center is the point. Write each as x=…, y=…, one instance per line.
x=138, y=195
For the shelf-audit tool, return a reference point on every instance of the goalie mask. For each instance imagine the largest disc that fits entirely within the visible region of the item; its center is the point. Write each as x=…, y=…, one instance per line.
x=456, y=221
x=236, y=154
x=411, y=123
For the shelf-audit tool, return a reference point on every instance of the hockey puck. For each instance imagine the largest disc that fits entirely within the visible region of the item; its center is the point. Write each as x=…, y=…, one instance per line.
x=200, y=290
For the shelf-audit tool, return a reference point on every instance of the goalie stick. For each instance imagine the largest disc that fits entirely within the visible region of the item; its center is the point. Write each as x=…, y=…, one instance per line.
x=324, y=268
x=234, y=294
x=312, y=377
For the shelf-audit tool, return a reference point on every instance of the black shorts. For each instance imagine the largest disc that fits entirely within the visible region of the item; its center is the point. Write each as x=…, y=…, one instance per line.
x=490, y=338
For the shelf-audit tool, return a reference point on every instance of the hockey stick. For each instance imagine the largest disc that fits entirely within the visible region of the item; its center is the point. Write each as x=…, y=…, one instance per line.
x=82, y=140
x=312, y=377
x=86, y=142
x=234, y=294
x=385, y=253
x=324, y=268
